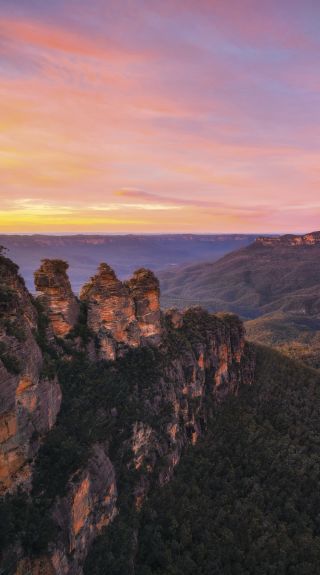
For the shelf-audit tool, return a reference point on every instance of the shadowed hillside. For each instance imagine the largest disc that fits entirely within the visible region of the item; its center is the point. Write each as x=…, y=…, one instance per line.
x=274, y=283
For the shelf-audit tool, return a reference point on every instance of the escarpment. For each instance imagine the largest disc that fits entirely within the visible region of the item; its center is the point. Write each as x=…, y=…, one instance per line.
x=56, y=295
x=311, y=239
x=30, y=400
x=125, y=422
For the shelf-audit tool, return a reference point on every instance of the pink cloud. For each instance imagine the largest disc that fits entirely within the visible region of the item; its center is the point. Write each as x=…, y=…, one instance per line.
x=56, y=38
x=197, y=103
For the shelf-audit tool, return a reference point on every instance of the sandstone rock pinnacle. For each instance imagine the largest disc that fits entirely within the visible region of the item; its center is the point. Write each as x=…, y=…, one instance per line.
x=52, y=281
x=111, y=312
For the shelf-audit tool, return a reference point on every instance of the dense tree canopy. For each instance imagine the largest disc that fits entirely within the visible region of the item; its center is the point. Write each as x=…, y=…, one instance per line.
x=245, y=500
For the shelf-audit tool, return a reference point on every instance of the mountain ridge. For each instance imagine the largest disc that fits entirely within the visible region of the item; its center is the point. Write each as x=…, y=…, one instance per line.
x=281, y=275
x=124, y=252
x=309, y=239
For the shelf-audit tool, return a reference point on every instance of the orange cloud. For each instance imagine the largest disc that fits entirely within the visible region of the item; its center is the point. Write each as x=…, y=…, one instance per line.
x=221, y=136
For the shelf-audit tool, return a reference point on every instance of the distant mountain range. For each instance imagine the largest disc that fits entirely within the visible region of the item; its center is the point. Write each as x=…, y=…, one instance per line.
x=98, y=403
x=123, y=252
x=274, y=284
x=135, y=441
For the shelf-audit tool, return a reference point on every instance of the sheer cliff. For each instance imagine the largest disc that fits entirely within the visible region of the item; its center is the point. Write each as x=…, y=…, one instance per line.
x=137, y=387
x=30, y=398
x=56, y=296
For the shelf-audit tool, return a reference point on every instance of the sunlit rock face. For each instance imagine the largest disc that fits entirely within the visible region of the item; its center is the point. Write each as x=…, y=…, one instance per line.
x=29, y=401
x=111, y=312
x=89, y=505
x=122, y=314
x=52, y=282
x=144, y=288
x=311, y=239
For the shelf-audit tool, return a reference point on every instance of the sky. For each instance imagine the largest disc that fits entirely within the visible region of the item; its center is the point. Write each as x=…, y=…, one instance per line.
x=159, y=116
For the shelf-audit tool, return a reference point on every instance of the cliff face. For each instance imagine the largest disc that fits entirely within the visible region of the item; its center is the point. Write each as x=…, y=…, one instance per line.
x=88, y=507
x=29, y=402
x=111, y=312
x=56, y=296
x=176, y=367
x=122, y=314
x=202, y=358
x=210, y=364
x=311, y=239
x=145, y=291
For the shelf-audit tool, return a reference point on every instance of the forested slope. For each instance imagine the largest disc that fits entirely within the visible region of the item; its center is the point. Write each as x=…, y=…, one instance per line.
x=245, y=500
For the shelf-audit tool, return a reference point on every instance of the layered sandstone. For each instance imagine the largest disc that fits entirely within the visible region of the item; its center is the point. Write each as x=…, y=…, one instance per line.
x=52, y=282
x=29, y=402
x=111, y=312
x=145, y=290
x=122, y=314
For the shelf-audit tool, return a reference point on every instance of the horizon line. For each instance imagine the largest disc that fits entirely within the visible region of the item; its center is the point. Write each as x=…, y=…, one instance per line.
x=233, y=233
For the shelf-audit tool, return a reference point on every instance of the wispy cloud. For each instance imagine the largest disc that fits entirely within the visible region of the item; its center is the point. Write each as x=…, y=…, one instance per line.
x=200, y=115
x=59, y=39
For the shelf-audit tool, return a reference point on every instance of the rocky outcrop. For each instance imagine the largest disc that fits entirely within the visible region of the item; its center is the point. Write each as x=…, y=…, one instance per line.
x=144, y=287
x=29, y=401
x=111, y=313
x=212, y=363
x=90, y=504
x=122, y=315
x=200, y=358
x=52, y=282
x=311, y=239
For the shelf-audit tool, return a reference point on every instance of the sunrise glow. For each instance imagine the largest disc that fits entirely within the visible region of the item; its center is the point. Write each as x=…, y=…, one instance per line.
x=149, y=116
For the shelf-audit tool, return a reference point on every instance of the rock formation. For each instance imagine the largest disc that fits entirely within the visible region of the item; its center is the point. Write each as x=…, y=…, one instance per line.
x=122, y=314
x=311, y=239
x=144, y=287
x=90, y=504
x=199, y=359
x=29, y=401
x=52, y=282
x=212, y=361
x=111, y=312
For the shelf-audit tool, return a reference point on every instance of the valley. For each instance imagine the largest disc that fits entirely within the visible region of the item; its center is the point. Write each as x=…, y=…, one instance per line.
x=124, y=253
x=273, y=284
x=142, y=441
